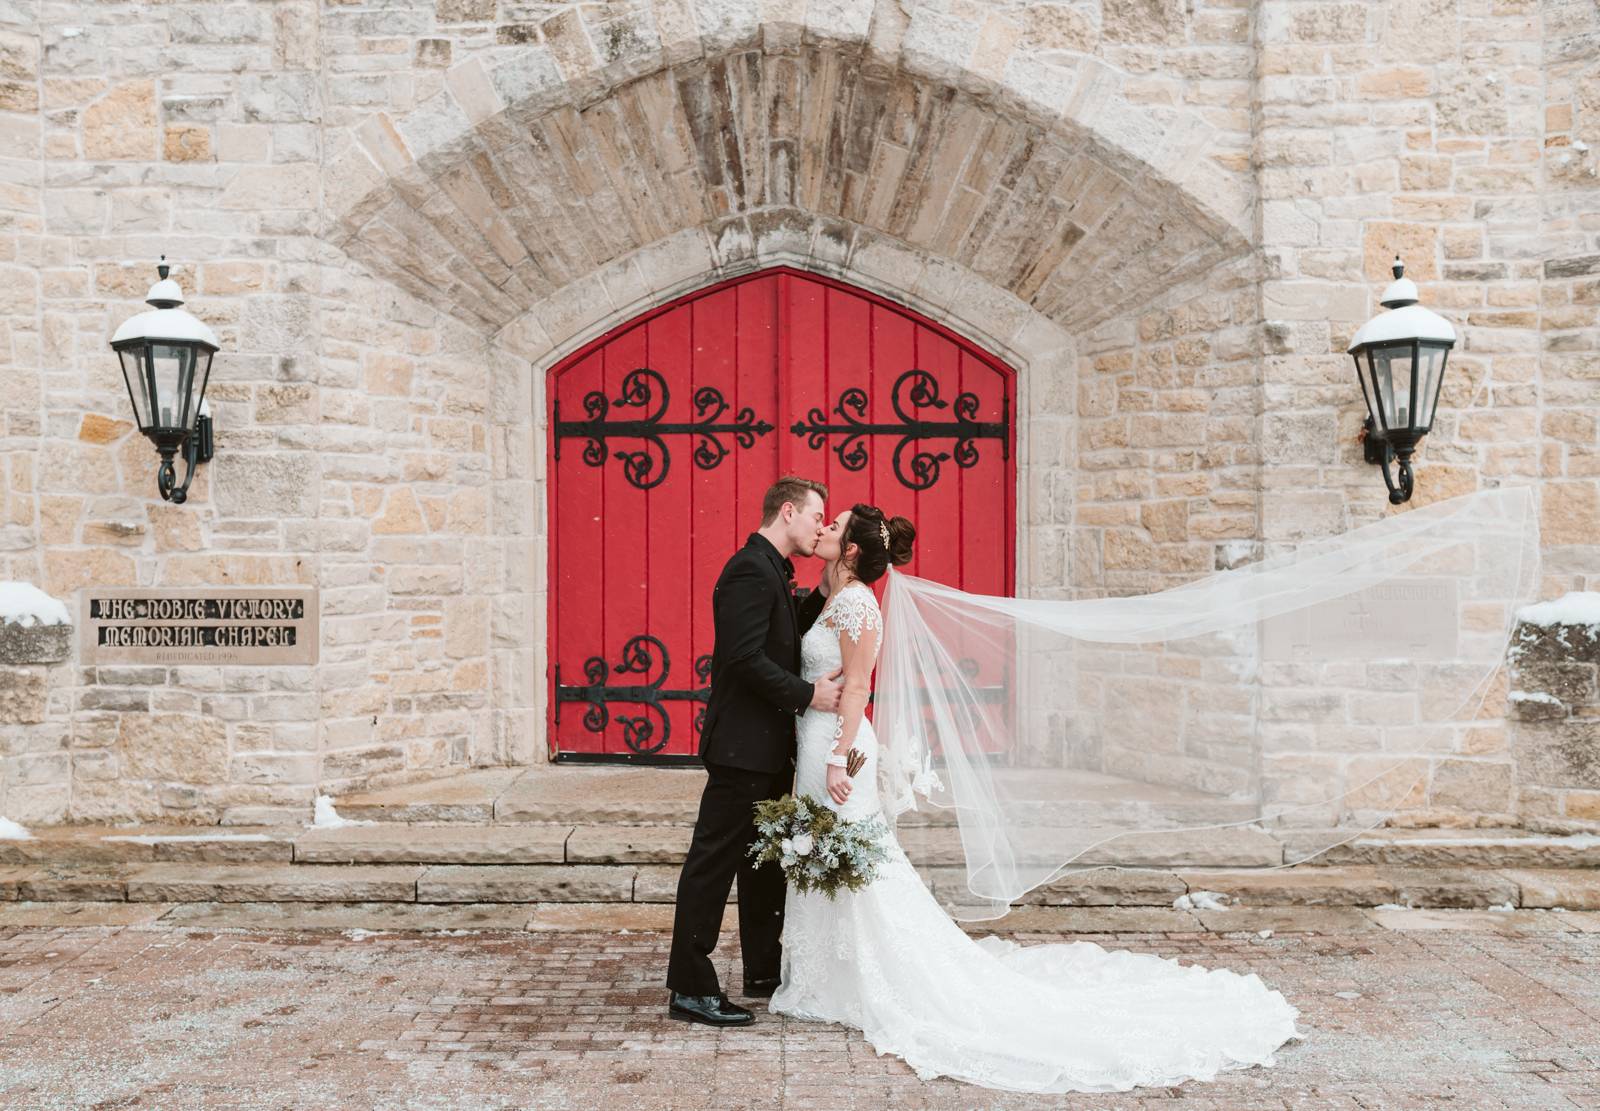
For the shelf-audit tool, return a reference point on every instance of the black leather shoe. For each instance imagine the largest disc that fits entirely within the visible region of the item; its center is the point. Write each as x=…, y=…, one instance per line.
x=761, y=989
x=713, y=1010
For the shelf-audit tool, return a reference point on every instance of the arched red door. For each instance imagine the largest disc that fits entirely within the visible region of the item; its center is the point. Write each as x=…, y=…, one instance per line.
x=665, y=433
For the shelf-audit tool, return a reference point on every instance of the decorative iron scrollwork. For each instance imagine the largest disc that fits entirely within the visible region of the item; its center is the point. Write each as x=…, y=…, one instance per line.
x=638, y=657
x=646, y=467
x=921, y=470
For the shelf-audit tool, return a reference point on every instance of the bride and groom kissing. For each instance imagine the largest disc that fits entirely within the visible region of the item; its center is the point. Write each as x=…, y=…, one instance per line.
x=790, y=682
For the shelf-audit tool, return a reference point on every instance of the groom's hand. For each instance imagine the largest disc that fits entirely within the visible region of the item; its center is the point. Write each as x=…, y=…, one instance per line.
x=825, y=693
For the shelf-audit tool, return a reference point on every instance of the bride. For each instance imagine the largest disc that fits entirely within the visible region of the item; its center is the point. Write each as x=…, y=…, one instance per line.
x=890, y=962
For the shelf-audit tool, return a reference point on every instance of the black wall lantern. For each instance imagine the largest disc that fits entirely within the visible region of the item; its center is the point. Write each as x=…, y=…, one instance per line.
x=166, y=361
x=1400, y=357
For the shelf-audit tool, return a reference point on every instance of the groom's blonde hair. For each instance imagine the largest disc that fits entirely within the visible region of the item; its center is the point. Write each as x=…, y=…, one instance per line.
x=789, y=488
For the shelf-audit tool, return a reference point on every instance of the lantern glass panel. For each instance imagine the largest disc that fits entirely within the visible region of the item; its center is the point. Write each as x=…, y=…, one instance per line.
x=1366, y=387
x=135, y=371
x=1391, y=370
x=173, y=366
x=203, y=373
x=1430, y=374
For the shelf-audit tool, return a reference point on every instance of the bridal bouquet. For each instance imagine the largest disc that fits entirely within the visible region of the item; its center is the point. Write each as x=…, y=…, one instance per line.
x=816, y=850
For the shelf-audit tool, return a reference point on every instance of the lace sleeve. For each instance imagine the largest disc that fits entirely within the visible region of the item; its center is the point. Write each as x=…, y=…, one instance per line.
x=854, y=612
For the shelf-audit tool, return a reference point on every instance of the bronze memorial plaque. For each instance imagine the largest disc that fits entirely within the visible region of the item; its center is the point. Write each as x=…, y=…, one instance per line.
x=1414, y=617
x=256, y=625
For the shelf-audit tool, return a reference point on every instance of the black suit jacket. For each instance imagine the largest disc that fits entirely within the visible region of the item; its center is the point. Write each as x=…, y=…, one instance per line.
x=756, y=689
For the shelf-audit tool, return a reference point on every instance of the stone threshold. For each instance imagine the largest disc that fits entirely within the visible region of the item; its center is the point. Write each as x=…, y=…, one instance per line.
x=611, y=794
x=566, y=843
x=655, y=884
x=357, y=919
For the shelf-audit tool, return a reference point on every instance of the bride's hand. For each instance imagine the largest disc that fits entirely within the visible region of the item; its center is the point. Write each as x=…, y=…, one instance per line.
x=838, y=784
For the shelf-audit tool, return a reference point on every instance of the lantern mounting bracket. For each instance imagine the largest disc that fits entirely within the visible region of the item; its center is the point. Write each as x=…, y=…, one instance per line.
x=197, y=449
x=1380, y=451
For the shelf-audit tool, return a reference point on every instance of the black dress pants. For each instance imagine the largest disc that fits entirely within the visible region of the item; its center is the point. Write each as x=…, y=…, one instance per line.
x=719, y=851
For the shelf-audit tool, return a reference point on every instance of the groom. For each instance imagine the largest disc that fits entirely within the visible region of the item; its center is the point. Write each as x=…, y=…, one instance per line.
x=747, y=744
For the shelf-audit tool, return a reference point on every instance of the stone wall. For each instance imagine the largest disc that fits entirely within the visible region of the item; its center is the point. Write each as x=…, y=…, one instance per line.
x=1168, y=216
x=1555, y=699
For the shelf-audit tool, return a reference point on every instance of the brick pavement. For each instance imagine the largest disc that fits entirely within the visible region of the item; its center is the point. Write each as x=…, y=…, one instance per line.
x=1450, y=1009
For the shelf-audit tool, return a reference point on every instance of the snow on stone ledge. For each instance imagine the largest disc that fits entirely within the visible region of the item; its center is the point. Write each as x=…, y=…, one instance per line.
x=324, y=816
x=11, y=831
x=26, y=605
x=1534, y=696
x=1581, y=607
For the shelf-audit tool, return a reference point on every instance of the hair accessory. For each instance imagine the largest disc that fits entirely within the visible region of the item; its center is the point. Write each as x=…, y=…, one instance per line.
x=883, y=531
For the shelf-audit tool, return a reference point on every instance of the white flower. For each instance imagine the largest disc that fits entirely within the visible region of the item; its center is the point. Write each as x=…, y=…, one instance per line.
x=787, y=846
x=802, y=844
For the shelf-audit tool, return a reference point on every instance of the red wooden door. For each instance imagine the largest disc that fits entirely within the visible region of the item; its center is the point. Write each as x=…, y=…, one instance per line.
x=666, y=432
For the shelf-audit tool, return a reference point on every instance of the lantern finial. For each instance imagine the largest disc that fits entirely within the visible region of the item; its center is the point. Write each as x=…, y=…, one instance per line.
x=1402, y=291
x=166, y=293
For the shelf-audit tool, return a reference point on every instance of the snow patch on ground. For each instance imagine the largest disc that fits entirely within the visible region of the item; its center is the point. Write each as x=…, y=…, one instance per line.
x=11, y=831
x=1391, y=906
x=25, y=604
x=1503, y=908
x=1580, y=607
x=326, y=817
x=1201, y=900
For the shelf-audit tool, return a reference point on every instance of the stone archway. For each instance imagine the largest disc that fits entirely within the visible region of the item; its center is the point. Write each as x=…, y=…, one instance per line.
x=552, y=195
x=521, y=188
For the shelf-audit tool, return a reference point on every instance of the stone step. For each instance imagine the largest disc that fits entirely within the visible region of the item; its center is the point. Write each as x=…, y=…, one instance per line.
x=1334, y=886
x=1443, y=848
x=393, y=843
x=452, y=919
x=664, y=843
x=594, y=795
x=113, y=844
x=468, y=797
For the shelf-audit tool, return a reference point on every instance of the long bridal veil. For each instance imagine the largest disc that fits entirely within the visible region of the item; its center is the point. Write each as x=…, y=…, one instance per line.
x=1305, y=694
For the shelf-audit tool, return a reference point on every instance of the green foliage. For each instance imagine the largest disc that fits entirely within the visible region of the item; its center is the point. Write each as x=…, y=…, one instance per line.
x=816, y=850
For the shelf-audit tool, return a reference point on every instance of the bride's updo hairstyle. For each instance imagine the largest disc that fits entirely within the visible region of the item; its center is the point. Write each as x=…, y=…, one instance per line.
x=866, y=532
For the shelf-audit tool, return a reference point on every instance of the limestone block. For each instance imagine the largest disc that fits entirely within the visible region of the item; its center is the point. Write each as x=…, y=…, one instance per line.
x=182, y=748
x=1416, y=244
x=618, y=844
x=1472, y=101
x=242, y=883
x=67, y=571
x=277, y=485
x=1479, y=785
x=1569, y=512
x=526, y=883
x=294, y=185
x=24, y=692
x=53, y=885
x=122, y=124
x=34, y=644
x=1558, y=754
x=187, y=143
x=1334, y=886
x=397, y=843
x=1058, y=27
x=1147, y=22
x=1573, y=889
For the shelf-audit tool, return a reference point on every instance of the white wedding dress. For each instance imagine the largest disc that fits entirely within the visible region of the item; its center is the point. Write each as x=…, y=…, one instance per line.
x=890, y=962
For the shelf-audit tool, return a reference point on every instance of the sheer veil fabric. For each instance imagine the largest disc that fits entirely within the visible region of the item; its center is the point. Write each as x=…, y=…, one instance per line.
x=1303, y=693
